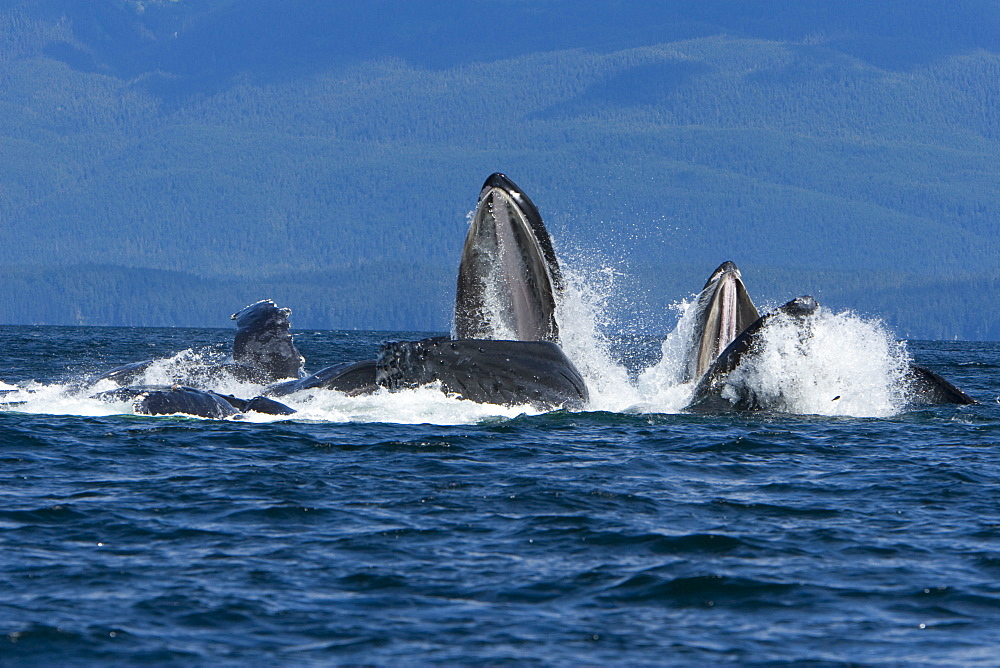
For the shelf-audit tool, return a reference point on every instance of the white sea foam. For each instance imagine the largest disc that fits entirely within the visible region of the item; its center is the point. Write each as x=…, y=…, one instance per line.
x=422, y=405
x=827, y=364
x=59, y=399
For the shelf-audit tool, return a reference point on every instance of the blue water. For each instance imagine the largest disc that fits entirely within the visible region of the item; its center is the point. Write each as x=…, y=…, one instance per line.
x=599, y=537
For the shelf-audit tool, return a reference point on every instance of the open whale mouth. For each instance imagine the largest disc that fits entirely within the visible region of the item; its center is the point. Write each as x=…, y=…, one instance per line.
x=724, y=311
x=508, y=277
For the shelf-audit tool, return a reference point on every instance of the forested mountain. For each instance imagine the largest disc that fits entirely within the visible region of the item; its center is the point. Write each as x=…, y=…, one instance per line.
x=166, y=162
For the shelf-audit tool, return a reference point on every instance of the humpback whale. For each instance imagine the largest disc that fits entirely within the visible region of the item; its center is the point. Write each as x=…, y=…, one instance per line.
x=930, y=389
x=508, y=373
x=709, y=390
x=264, y=344
x=924, y=387
x=508, y=278
x=505, y=346
x=263, y=352
x=722, y=311
x=171, y=399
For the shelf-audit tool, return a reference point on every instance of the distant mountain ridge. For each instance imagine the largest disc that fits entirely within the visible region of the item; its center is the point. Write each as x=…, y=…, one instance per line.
x=327, y=154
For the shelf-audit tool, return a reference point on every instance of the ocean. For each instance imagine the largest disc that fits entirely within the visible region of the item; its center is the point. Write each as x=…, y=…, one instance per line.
x=414, y=528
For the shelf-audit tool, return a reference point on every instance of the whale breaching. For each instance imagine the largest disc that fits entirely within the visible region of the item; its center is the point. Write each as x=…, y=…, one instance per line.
x=505, y=343
x=728, y=331
x=723, y=310
x=509, y=278
x=505, y=349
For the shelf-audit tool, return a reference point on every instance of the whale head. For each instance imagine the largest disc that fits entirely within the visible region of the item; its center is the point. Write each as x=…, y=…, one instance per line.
x=264, y=341
x=723, y=310
x=508, y=278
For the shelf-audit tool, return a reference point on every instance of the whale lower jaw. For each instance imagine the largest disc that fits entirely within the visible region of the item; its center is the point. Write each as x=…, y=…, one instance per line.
x=508, y=277
x=723, y=311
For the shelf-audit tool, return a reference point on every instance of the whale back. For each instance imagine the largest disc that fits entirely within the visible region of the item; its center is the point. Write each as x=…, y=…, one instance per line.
x=508, y=277
x=507, y=373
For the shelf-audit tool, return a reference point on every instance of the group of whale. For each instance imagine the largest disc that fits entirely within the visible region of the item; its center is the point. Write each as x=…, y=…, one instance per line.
x=505, y=347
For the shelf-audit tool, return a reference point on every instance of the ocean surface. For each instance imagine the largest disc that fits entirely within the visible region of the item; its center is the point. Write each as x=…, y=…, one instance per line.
x=414, y=528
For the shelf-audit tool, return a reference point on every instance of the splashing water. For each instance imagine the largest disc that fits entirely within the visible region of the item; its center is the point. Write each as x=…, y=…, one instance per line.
x=62, y=399
x=583, y=316
x=828, y=364
x=661, y=385
x=421, y=405
x=199, y=368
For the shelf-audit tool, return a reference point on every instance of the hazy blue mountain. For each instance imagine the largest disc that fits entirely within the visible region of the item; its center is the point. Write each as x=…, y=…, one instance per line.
x=166, y=162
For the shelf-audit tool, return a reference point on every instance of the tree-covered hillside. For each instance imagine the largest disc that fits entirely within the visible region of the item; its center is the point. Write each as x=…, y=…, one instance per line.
x=166, y=162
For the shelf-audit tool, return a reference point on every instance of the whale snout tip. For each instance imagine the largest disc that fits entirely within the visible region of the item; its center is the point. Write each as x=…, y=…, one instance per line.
x=726, y=269
x=500, y=180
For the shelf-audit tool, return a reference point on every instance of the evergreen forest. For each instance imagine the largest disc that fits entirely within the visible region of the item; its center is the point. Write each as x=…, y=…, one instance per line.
x=165, y=162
